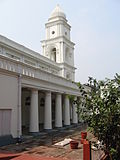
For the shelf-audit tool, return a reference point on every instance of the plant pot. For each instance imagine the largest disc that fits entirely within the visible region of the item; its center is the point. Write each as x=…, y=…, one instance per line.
x=83, y=135
x=74, y=144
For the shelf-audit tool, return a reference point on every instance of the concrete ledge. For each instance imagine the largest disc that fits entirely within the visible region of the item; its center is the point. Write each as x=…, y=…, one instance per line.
x=51, y=131
x=8, y=139
x=34, y=133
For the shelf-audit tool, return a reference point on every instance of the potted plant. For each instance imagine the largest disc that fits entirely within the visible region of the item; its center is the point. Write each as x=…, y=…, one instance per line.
x=83, y=135
x=74, y=144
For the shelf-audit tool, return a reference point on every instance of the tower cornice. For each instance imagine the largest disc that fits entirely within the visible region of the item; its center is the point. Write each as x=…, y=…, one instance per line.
x=60, y=39
x=48, y=24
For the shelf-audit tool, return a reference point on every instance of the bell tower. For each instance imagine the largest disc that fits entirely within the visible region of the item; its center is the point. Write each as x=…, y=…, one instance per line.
x=57, y=46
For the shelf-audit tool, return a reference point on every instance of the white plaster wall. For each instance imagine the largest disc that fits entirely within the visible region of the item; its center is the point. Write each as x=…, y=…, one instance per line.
x=68, y=33
x=47, y=33
x=53, y=28
x=58, y=54
x=8, y=98
x=69, y=55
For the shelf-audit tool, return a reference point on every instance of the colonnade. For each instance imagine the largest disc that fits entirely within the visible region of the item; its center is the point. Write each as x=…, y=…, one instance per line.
x=60, y=118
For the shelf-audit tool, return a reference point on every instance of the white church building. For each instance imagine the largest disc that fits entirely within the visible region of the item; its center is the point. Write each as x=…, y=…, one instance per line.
x=35, y=88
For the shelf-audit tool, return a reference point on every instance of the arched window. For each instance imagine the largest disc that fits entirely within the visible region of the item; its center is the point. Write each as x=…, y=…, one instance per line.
x=53, y=54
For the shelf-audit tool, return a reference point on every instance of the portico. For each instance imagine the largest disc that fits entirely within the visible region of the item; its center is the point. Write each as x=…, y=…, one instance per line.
x=34, y=116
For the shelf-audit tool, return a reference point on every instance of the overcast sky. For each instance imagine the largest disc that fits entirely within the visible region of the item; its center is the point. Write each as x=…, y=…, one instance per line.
x=95, y=31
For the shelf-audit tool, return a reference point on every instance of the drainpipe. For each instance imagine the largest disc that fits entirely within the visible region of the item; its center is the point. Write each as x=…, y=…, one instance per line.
x=19, y=109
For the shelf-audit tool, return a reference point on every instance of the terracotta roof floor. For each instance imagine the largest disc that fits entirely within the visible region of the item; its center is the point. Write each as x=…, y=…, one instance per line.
x=43, y=148
x=25, y=157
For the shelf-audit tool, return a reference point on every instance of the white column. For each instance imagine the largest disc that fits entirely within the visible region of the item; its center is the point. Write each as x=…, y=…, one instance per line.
x=62, y=52
x=66, y=111
x=58, y=111
x=19, y=130
x=74, y=114
x=34, y=123
x=48, y=111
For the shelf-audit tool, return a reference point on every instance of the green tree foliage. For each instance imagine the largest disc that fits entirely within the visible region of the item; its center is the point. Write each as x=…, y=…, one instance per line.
x=100, y=108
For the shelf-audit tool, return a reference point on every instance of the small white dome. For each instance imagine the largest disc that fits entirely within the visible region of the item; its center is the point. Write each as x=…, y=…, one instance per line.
x=58, y=12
